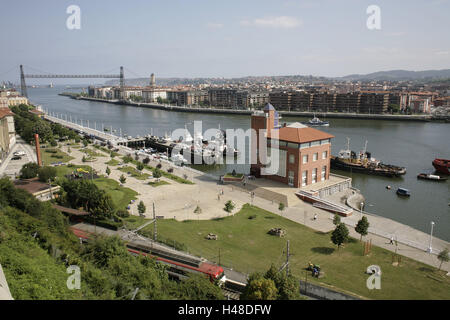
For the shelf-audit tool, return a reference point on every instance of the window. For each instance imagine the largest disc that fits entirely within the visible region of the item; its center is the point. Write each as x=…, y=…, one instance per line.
x=304, y=145
x=324, y=171
x=315, y=143
x=315, y=156
x=292, y=145
x=304, y=175
x=291, y=158
x=291, y=178
x=305, y=158
x=324, y=155
x=314, y=175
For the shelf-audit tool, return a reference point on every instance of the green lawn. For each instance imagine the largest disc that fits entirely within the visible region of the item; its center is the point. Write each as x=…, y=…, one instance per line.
x=157, y=184
x=92, y=154
x=112, y=162
x=62, y=171
x=121, y=196
x=245, y=245
x=134, y=173
x=51, y=155
x=132, y=222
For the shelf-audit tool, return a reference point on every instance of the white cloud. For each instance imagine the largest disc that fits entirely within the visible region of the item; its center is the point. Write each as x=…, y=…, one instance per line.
x=273, y=22
x=213, y=25
x=443, y=53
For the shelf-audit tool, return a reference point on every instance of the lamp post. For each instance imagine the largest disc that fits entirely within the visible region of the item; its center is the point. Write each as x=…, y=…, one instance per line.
x=430, y=249
x=361, y=208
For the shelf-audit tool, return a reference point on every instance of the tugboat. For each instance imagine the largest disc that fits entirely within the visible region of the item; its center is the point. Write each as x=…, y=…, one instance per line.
x=316, y=122
x=432, y=177
x=364, y=163
x=442, y=165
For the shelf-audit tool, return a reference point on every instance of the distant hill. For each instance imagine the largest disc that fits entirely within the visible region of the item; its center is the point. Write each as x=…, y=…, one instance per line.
x=397, y=75
x=392, y=75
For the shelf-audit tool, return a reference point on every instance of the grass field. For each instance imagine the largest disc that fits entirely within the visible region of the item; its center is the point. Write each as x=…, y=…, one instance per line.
x=245, y=245
x=112, y=162
x=157, y=184
x=62, y=171
x=121, y=196
x=91, y=153
x=134, y=173
x=49, y=157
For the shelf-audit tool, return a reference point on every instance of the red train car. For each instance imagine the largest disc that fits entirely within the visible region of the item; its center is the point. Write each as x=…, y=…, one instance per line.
x=177, y=267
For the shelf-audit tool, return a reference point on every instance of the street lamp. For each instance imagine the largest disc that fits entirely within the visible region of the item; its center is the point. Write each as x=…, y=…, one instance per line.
x=361, y=208
x=430, y=249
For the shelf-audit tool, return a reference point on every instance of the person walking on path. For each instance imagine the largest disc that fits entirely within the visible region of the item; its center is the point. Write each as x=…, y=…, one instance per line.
x=315, y=217
x=392, y=240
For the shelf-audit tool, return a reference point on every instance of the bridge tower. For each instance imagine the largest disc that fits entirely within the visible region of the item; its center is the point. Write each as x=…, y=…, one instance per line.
x=23, y=86
x=122, y=84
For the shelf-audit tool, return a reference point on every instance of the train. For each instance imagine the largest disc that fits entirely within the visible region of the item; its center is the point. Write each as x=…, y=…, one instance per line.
x=179, y=265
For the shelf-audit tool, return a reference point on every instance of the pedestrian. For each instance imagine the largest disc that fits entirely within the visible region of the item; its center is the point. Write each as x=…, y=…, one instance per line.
x=315, y=217
x=392, y=240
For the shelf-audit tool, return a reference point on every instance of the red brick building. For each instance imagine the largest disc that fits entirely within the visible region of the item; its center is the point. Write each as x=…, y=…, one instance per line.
x=304, y=152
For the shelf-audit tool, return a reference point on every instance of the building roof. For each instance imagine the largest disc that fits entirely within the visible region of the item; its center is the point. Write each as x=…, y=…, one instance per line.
x=36, y=112
x=31, y=185
x=301, y=135
x=4, y=112
x=268, y=107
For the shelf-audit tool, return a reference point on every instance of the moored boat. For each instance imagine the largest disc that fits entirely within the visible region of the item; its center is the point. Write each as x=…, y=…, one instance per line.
x=403, y=192
x=442, y=165
x=316, y=122
x=432, y=177
x=364, y=163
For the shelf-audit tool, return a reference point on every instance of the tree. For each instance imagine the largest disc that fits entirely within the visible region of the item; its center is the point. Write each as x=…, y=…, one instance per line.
x=108, y=171
x=46, y=173
x=122, y=179
x=336, y=219
x=287, y=285
x=29, y=170
x=281, y=207
x=259, y=288
x=443, y=257
x=198, y=287
x=140, y=166
x=229, y=206
x=157, y=173
x=339, y=235
x=141, y=207
x=85, y=143
x=83, y=159
x=146, y=160
x=362, y=227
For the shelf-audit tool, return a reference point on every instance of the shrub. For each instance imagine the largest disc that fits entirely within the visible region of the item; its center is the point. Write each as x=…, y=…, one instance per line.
x=146, y=160
x=159, y=166
x=46, y=173
x=29, y=170
x=170, y=170
x=122, y=213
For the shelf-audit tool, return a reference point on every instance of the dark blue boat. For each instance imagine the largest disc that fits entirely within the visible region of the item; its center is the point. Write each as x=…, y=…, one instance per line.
x=403, y=192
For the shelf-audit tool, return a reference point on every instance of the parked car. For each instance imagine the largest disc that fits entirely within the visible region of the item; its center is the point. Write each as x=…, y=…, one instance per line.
x=16, y=158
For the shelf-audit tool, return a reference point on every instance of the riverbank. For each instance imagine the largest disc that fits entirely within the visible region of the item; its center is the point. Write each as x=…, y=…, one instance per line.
x=359, y=116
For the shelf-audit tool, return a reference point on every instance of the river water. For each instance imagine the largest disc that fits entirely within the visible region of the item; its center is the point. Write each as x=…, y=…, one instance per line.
x=410, y=144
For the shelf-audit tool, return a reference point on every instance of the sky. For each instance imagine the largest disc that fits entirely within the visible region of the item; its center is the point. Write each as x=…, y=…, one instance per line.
x=210, y=38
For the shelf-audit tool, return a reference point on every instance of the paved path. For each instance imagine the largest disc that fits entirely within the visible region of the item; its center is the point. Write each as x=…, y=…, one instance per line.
x=11, y=168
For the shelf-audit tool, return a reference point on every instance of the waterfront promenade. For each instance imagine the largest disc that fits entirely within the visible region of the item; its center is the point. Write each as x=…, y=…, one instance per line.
x=411, y=242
